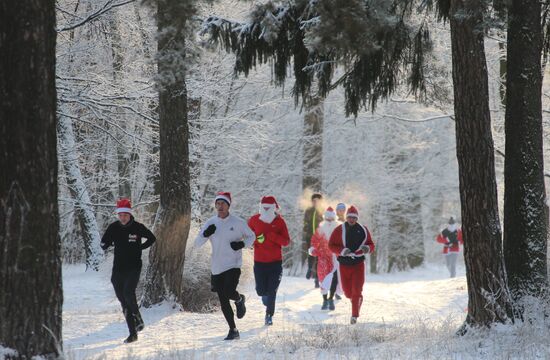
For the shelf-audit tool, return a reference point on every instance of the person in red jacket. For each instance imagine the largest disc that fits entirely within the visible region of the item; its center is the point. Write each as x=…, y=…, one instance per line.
x=350, y=242
x=327, y=266
x=451, y=237
x=271, y=235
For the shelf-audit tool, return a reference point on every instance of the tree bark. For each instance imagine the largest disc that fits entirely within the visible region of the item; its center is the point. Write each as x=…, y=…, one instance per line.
x=30, y=263
x=488, y=300
x=525, y=222
x=313, y=145
x=165, y=272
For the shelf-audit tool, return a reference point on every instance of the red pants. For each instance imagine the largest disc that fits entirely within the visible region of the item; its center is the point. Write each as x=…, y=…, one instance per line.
x=353, y=277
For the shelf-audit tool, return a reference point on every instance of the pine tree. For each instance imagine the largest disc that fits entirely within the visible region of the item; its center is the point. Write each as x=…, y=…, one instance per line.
x=165, y=272
x=488, y=298
x=30, y=264
x=525, y=216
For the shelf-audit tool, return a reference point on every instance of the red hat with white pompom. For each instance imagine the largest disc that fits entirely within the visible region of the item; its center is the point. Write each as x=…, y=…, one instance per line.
x=270, y=200
x=123, y=206
x=352, y=212
x=330, y=213
x=225, y=196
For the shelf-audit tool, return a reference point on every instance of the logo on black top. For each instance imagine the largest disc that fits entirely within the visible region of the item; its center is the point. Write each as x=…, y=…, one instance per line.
x=231, y=229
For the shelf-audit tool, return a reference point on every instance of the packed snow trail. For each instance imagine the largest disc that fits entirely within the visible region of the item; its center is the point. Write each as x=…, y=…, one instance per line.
x=94, y=326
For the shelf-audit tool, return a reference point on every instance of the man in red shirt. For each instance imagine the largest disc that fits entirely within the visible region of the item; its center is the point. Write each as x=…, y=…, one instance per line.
x=271, y=235
x=350, y=242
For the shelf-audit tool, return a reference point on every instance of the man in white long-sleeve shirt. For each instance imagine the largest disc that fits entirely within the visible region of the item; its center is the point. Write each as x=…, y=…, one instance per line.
x=228, y=234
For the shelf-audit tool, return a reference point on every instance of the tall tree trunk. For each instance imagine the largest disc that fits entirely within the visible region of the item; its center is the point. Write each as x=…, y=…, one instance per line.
x=525, y=222
x=79, y=192
x=30, y=261
x=313, y=145
x=194, y=112
x=165, y=272
x=123, y=156
x=488, y=299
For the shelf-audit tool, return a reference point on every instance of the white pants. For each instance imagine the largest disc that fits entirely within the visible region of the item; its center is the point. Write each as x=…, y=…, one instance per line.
x=450, y=259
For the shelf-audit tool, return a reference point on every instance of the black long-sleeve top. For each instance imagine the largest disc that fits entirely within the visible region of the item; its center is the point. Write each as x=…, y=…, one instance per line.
x=129, y=240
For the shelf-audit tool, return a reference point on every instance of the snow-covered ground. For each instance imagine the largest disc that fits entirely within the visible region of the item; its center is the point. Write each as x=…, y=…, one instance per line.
x=405, y=315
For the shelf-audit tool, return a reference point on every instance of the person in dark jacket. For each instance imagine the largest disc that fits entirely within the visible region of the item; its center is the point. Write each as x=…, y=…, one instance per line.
x=312, y=218
x=129, y=238
x=351, y=241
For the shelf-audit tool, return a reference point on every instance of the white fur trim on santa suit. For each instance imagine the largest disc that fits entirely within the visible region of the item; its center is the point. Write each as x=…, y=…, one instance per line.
x=330, y=214
x=268, y=213
x=452, y=227
x=223, y=197
x=123, y=210
x=327, y=282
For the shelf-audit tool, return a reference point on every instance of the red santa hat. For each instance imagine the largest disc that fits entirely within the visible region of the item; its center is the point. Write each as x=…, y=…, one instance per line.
x=225, y=196
x=330, y=213
x=352, y=212
x=123, y=206
x=269, y=200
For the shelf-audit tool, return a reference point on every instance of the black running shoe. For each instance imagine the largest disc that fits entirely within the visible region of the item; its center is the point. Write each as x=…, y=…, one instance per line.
x=233, y=334
x=131, y=338
x=325, y=305
x=331, y=304
x=241, y=308
x=268, y=319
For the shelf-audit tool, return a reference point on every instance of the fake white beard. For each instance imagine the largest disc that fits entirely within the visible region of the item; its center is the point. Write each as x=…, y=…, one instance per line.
x=451, y=227
x=267, y=213
x=327, y=227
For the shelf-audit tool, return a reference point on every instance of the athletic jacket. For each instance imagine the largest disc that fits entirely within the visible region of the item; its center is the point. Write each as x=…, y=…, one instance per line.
x=228, y=230
x=128, y=240
x=275, y=236
x=351, y=237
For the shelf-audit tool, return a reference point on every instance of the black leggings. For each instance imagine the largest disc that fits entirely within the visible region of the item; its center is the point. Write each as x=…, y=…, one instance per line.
x=225, y=284
x=333, y=284
x=125, y=284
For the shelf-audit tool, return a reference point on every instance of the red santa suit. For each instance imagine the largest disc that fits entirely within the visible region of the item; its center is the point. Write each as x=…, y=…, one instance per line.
x=271, y=235
x=347, y=242
x=452, y=231
x=326, y=260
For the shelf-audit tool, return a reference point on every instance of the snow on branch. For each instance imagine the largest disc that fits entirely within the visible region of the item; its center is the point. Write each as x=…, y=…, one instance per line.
x=107, y=6
x=374, y=45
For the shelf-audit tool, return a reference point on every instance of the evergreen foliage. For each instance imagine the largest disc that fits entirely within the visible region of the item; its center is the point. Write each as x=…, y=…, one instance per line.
x=369, y=41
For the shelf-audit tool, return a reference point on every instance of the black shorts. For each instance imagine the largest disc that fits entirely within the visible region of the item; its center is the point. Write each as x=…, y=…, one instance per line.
x=227, y=280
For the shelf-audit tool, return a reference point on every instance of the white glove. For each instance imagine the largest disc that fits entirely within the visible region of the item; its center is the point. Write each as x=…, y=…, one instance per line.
x=310, y=251
x=365, y=249
x=345, y=252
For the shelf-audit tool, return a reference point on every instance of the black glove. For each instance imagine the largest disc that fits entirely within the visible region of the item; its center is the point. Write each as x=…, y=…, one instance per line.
x=237, y=245
x=209, y=230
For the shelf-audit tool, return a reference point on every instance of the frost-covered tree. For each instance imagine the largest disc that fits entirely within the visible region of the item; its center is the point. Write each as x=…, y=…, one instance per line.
x=525, y=213
x=165, y=272
x=103, y=70
x=488, y=298
x=30, y=262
